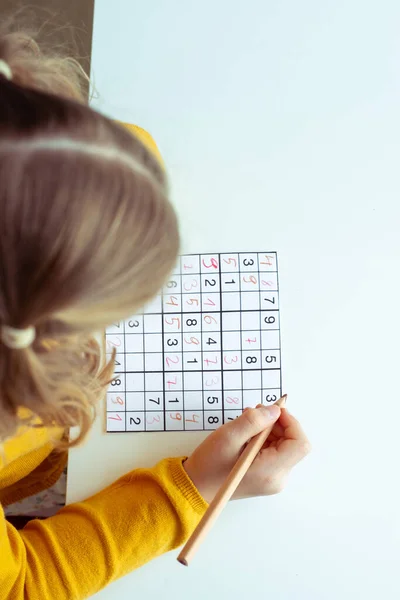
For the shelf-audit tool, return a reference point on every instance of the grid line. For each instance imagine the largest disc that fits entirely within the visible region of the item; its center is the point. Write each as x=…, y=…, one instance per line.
x=221, y=337
x=246, y=299
x=163, y=361
x=240, y=333
x=144, y=378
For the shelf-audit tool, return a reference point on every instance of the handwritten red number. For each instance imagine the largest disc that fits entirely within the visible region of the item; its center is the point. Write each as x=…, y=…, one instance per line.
x=117, y=418
x=178, y=417
x=169, y=360
x=193, y=340
x=192, y=301
x=155, y=419
x=114, y=343
x=213, y=264
x=192, y=285
x=118, y=400
x=251, y=279
x=210, y=302
x=230, y=261
x=267, y=261
x=229, y=362
x=268, y=283
x=249, y=341
x=173, y=320
x=169, y=383
x=209, y=319
x=208, y=361
x=172, y=301
x=194, y=420
x=232, y=400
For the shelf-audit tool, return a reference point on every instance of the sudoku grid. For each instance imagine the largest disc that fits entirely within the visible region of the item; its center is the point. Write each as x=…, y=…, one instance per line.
x=204, y=349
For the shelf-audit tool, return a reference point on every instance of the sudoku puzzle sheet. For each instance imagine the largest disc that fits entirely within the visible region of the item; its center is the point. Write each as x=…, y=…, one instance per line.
x=205, y=348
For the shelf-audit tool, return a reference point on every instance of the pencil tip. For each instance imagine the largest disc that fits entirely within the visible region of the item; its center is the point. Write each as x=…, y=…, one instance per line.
x=282, y=401
x=183, y=561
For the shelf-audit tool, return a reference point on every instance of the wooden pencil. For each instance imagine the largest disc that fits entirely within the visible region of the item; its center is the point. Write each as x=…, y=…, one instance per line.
x=226, y=491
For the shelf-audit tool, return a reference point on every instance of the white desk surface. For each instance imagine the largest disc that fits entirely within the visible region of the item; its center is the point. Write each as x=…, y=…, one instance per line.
x=279, y=123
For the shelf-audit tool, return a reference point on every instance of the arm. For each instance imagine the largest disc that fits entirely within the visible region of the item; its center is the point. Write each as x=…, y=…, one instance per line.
x=149, y=511
x=89, y=544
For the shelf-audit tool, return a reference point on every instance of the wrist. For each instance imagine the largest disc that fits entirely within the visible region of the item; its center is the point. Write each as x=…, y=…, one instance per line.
x=197, y=480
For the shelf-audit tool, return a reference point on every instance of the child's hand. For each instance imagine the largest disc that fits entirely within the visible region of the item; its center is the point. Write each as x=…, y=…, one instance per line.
x=212, y=461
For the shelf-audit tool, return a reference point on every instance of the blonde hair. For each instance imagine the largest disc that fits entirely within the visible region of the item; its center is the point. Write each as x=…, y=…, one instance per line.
x=87, y=236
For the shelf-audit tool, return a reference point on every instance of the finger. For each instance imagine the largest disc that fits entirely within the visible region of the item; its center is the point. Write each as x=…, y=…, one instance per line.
x=278, y=431
x=291, y=427
x=276, y=435
x=295, y=445
x=250, y=423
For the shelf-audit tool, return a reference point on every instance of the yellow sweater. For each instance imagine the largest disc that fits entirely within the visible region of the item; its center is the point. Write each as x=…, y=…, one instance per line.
x=89, y=544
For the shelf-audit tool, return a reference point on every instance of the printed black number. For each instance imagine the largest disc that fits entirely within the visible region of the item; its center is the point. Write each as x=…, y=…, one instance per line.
x=233, y=281
x=248, y=262
x=191, y=322
x=208, y=282
x=251, y=359
x=155, y=400
x=134, y=421
x=269, y=319
x=172, y=342
x=116, y=382
x=213, y=420
x=133, y=323
x=269, y=300
x=117, y=364
x=269, y=398
x=176, y=400
x=117, y=324
x=210, y=341
x=172, y=284
x=192, y=361
x=212, y=399
x=270, y=359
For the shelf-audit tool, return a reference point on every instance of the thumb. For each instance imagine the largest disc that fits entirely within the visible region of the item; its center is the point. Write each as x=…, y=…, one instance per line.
x=252, y=422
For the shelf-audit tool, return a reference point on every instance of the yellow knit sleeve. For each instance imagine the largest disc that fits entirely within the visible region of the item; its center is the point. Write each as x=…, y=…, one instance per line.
x=89, y=544
x=145, y=138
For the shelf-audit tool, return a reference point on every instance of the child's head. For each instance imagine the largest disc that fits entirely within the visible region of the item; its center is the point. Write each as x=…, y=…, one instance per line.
x=87, y=235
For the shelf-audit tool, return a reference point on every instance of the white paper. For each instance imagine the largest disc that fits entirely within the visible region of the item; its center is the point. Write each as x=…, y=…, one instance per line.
x=204, y=349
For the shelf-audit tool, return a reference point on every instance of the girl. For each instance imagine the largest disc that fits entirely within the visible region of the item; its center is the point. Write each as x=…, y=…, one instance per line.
x=84, y=217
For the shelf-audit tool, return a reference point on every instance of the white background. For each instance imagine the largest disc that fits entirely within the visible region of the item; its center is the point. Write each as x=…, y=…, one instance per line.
x=279, y=124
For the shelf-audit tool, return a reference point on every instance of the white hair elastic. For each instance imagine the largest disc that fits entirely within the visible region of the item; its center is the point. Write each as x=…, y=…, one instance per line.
x=5, y=69
x=17, y=339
